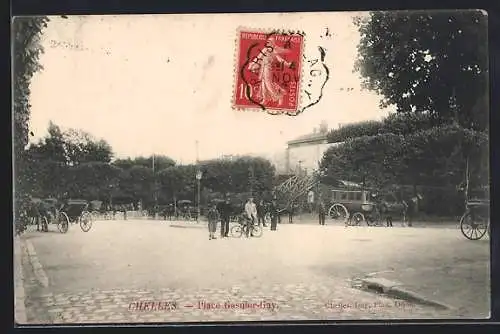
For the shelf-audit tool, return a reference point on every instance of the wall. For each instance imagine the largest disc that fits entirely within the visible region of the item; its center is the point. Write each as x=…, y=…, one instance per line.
x=310, y=155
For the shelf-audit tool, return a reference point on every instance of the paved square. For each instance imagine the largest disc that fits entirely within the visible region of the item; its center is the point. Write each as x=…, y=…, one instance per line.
x=129, y=271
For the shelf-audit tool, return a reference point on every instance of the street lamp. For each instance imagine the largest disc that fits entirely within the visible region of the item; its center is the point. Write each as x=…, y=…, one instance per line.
x=199, y=174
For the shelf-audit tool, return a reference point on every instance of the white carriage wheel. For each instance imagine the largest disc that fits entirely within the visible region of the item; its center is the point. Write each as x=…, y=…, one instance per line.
x=338, y=211
x=85, y=221
x=63, y=222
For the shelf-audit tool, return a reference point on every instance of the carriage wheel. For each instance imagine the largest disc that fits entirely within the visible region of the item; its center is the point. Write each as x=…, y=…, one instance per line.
x=256, y=231
x=357, y=218
x=471, y=229
x=63, y=222
x=236, y=231
x=86, y=221
x=338, y=211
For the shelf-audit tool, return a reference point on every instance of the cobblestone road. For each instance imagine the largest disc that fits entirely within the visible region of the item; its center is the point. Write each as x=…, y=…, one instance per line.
x=296, y=273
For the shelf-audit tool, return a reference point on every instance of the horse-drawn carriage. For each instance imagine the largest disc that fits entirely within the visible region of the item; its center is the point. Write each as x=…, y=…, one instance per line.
x=74, y=211
x=354, y=206
x=49, y=211
x=475, y=222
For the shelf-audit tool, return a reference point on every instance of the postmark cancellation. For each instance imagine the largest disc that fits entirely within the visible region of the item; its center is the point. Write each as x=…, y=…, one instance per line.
x=268, y=71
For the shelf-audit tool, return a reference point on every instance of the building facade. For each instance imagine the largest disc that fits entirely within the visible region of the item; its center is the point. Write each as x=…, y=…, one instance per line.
x=304, y=154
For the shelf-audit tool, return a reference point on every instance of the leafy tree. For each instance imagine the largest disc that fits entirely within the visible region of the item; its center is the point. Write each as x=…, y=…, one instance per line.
x=354, y=130
x=428, y=62
x=93, y=180
x=160, y=162
x=26, y=51
x=372, y=160
x=400, y=124
x=433, y=160
x=239, y=174
x=71, y=147
x=81, y=147
x=137, y=182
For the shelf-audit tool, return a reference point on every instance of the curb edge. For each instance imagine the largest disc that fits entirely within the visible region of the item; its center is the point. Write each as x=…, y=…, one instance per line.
x=20, y=316
x=37, y=266
x=396, y=291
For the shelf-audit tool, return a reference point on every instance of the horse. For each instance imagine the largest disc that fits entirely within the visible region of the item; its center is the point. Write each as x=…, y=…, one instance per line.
x=37, y=210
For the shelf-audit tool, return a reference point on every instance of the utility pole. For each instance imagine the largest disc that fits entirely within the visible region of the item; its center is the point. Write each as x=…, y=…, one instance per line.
x=198, y=183
x=466, y=180
x=155, y=186
x=251, y=171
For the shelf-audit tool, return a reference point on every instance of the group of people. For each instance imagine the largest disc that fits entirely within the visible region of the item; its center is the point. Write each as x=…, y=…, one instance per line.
x=252, y=214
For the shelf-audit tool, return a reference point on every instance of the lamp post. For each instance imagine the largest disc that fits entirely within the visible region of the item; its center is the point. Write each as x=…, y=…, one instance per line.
x=199, y=174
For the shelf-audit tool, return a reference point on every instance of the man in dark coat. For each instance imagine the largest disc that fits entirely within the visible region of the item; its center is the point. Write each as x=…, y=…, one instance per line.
x=224, y=209
x=261, y=213
x=322, y=212
x=213, y=217
x=275, y=213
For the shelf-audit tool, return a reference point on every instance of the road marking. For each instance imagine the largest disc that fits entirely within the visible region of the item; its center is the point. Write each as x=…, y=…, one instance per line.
x=19, y=294
x=37, y=266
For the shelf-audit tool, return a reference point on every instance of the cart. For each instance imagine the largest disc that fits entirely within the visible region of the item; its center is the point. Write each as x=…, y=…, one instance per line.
x=75, y=211
x=475, y=222
x=352, y=207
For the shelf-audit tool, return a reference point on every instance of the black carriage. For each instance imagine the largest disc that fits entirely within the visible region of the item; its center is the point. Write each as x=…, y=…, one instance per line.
x=75, y=211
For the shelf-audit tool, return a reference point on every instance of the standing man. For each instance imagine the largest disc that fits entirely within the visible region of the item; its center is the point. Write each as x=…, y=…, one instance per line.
x=322, y=212
x=213, y=217
x=274, y=212
x=290, y=213
x=225, y=213
x=251, y=212
x=310, y=200
x=261, y=213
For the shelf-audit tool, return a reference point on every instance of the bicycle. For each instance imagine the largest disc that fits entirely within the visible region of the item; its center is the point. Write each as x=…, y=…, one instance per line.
x=242, y=227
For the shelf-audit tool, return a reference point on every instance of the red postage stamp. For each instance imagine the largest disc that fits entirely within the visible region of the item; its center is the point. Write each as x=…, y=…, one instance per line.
x=268, y=71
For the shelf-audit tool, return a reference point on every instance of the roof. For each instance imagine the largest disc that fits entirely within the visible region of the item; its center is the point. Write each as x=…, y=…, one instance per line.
x=317, y=137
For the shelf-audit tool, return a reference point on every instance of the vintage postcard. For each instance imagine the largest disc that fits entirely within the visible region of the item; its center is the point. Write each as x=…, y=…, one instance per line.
x=251, y=167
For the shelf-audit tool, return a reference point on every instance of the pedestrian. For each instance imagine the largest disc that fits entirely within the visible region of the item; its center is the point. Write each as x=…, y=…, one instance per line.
x=224, y=209
x=251, y=213
x=290, y=213
x=310, y=200
x=412, y=209
x=388, y=217
x=274, y=213
x=213, y=218
x=322, y=212
x=261, y=213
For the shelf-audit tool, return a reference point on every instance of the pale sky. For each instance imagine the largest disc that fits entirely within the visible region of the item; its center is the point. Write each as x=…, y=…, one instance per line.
x=157, y=83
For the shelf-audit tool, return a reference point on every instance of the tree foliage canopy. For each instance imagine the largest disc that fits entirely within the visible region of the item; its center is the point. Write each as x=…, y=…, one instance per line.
x=435, y=62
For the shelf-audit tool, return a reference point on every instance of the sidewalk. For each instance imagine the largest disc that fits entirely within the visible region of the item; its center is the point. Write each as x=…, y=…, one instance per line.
x=463, y=288
x=19, y=293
